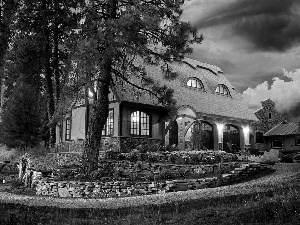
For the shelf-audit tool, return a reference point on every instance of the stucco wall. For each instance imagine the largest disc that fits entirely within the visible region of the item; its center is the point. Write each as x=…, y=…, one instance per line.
x=265, y=123
x=289, y=143
x=156, y=126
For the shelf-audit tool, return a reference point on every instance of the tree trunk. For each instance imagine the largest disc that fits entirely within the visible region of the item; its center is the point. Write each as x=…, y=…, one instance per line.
x=98, y=120
x=48, y=72
x=7, y=11
x=100, y=107
x=56, y=53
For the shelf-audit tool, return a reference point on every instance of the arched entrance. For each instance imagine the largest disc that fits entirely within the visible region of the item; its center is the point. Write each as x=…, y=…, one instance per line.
x=207, y=135
x=199, y=136
x=173, y=133
x=231, y=138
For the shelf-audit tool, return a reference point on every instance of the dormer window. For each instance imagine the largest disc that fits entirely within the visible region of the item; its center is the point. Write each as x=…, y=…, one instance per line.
x=195, y=83
x=223, y=90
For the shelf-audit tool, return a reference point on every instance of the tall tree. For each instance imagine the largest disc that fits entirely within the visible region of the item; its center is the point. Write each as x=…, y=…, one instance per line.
x=7, y=11
x=21, y=123
x=51, y=22
x=116, y=32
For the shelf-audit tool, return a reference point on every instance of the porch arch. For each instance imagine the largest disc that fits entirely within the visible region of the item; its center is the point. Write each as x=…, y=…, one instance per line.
x=232, y=135
x=206, y=134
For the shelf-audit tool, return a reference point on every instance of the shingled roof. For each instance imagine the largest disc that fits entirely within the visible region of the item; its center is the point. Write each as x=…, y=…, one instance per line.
x=283, y=128
x=203, y=101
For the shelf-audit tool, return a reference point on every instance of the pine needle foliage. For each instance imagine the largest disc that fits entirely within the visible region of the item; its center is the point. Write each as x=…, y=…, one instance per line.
x=21, y=122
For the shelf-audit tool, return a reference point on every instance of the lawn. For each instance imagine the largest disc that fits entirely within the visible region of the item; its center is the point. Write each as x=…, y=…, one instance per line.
x=269, y=198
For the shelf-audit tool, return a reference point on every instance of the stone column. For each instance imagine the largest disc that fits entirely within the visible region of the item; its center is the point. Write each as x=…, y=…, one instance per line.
x=220, y=128
x=246, y=132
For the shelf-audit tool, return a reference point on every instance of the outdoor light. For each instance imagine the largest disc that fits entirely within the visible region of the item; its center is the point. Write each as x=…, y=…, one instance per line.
x=246, y=131
x=220, y=127
x=90, y=94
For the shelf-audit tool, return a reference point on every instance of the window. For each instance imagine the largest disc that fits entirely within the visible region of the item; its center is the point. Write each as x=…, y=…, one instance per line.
x=297, y=140
x=139, y=124
x=223, y=90
x=68, y=129
x=277, y=143
x=195, y=83
x=270, y=115
x=259, y=137
x=108, y=129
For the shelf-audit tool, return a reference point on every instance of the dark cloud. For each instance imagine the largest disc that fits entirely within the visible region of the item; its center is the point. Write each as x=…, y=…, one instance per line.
x=270, y=25
x=269, y=77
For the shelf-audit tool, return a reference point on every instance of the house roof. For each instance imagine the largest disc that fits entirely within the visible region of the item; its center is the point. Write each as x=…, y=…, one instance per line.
x=203, y=101
x=282, y=129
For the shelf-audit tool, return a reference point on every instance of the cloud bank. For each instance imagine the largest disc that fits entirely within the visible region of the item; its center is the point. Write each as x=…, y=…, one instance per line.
x=268, y=25
x=286, y=94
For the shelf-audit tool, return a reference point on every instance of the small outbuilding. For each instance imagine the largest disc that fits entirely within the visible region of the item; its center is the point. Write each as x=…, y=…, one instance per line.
x=285, y=137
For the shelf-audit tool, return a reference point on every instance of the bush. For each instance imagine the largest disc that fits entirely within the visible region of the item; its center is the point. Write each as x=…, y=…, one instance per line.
x=16, y=183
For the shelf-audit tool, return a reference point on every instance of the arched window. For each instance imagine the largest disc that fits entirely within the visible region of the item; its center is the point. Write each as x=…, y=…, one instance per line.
x=139, y=124
x=195, y=83
x=222, y=89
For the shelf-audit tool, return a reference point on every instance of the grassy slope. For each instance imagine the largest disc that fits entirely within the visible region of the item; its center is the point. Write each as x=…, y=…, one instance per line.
x=270, y=199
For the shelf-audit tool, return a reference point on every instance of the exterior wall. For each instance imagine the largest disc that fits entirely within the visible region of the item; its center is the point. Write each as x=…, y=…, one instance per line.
x=120, y=140
x=265, y=123
x=157, y=128
x=288, y=142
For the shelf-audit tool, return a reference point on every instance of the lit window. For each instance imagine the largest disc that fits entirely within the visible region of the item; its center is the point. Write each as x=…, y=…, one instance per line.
x=139, y=124
x=223, y=90
x=259, y=137
x=195, y=83
x=277, y=143
x=108, y=129
x=68, y=129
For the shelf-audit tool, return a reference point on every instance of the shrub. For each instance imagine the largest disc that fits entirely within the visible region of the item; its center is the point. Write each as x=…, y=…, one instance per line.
x=16, y=183
x=165, y=174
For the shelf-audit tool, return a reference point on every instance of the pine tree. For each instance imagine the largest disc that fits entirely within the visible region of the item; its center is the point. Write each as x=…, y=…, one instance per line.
x=48, y=23
x=21, y=122
x=116, y=32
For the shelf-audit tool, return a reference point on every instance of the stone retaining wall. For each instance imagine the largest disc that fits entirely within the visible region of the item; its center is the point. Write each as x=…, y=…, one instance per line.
x=151, y=170
x=126, y=188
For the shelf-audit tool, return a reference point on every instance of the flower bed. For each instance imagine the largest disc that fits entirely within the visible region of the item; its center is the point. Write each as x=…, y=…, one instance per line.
x=126, y=188
x=181, y=157
x=51, y=161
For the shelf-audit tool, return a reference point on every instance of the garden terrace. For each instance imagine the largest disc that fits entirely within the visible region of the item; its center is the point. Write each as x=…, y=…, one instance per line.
x=125, y=188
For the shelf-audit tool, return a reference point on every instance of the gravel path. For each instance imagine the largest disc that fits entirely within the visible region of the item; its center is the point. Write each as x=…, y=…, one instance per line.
x=284, y=172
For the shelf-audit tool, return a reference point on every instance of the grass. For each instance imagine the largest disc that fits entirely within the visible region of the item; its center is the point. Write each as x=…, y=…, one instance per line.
x=274, y=199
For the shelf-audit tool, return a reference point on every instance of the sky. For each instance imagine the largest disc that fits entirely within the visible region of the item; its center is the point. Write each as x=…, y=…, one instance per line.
x=257, y=45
